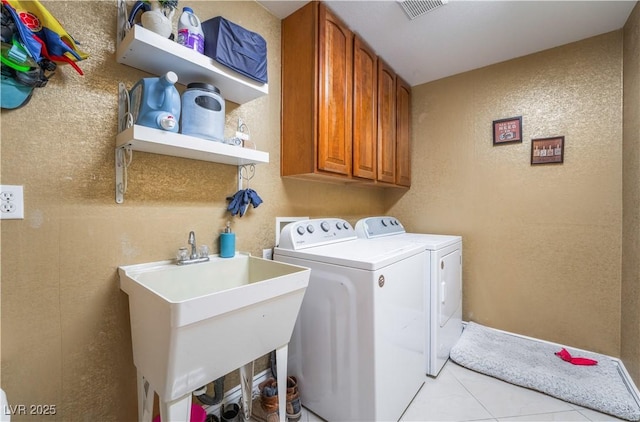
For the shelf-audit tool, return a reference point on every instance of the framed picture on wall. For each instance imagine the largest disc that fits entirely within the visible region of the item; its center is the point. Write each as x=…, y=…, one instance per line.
x=547, y=150
x=507, y=131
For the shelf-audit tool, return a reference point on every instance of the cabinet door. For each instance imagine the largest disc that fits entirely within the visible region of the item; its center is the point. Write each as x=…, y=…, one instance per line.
x=334, y=94
x=299, y=86
x=365, y=118
x=403, y=133
x=386, y=123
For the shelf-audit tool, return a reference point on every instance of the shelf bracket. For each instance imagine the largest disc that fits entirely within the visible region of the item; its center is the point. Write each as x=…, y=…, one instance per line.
x=245, y=172
x=122, y=22
x=121, y=173
x=124, y=121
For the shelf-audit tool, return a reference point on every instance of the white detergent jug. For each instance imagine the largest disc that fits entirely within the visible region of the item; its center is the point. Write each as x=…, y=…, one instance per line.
x=190, y=32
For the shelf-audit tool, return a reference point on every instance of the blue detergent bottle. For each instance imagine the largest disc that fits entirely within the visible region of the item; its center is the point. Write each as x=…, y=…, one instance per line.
x=155, y=102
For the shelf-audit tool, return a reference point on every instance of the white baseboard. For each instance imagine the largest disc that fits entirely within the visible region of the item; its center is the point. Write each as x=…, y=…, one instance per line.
x=626, y=378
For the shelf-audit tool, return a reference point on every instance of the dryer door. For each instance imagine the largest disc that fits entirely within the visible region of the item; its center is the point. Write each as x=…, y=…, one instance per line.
x=449, y=284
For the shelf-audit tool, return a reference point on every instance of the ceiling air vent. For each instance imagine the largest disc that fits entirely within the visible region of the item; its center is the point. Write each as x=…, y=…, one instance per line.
x=415, y=8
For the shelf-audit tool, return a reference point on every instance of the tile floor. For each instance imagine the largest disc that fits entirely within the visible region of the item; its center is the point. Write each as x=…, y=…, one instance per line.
x=458, y=394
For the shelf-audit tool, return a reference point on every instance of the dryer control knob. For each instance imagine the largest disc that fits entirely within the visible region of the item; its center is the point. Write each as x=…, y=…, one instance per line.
x=345, y=225
x=384, y=222
x=324, y=226
x=300, y=230
x=310, y=228
x=338, y=226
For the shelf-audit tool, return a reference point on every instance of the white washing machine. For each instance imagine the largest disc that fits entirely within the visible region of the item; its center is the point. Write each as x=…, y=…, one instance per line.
x=443, y=284
x=357, y=344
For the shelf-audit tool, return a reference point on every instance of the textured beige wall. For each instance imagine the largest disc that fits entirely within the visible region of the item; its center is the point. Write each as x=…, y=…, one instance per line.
x=542, y=244
x=65, y=323
x=630, y=330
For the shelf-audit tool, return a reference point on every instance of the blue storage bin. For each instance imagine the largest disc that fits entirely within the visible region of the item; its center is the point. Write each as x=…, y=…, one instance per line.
x=235, y=47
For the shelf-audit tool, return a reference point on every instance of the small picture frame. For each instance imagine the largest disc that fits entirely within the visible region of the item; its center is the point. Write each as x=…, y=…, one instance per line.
x=507, y=131
x=547, y=150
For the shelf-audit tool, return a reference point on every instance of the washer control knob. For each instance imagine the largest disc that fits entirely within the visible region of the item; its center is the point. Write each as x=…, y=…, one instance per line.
x=310, y=228
x=324, y=226
x=345, y=225
x=384, y=222
x=300, y=230
x=338, y=226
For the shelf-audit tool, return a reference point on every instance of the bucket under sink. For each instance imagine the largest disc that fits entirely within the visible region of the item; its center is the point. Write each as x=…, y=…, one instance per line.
x=192, y=324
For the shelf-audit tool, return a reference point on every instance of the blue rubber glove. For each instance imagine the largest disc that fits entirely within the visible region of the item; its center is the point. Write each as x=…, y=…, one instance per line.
x=240, y=201
x=236, y=202
x=254, y=198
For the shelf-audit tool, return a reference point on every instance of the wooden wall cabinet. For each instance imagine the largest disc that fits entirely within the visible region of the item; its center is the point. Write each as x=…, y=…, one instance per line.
x=339, y=105
x=386, y=123
x=317, y=70
x=365, y=110
x=403, y=133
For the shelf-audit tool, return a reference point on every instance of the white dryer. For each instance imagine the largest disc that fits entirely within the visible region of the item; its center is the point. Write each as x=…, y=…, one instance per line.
x=357, y=344
x=443, y=285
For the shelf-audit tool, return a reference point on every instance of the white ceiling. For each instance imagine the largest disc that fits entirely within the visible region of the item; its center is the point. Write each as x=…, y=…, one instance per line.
x=467, y=34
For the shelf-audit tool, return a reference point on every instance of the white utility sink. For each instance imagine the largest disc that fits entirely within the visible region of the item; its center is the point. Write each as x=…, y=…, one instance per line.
x=191, y=324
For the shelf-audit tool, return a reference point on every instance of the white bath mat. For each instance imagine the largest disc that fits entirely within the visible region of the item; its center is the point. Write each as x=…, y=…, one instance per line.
x=533, y=364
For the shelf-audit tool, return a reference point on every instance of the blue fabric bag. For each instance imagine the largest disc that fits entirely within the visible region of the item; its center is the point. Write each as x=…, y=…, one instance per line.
x=235, y=47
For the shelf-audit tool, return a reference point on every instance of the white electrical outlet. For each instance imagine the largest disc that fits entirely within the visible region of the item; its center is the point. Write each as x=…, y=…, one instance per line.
x=267, y=254
x=11, y=202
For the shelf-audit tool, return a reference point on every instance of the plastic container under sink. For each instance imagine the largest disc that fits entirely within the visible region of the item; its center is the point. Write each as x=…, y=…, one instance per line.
x=198, y=414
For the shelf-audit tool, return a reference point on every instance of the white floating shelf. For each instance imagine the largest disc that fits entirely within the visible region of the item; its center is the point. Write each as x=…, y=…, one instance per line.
x=146, y=139
x=148, y=51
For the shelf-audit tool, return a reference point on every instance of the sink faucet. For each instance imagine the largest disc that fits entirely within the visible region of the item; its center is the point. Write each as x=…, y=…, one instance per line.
x=183, y=255
x=192, y=242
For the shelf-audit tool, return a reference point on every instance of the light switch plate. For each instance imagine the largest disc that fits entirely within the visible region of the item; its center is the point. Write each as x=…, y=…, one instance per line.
x=11, y=202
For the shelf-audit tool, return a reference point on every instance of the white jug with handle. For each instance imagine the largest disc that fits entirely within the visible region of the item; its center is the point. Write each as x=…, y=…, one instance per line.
x=158, y=19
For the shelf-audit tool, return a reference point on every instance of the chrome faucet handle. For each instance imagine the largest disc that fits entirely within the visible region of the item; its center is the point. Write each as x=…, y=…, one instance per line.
x=183, y=257
x=192, y=242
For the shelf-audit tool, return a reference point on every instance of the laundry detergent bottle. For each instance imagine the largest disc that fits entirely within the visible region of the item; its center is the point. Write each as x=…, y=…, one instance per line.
x=190, y=33
x=155, y=102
